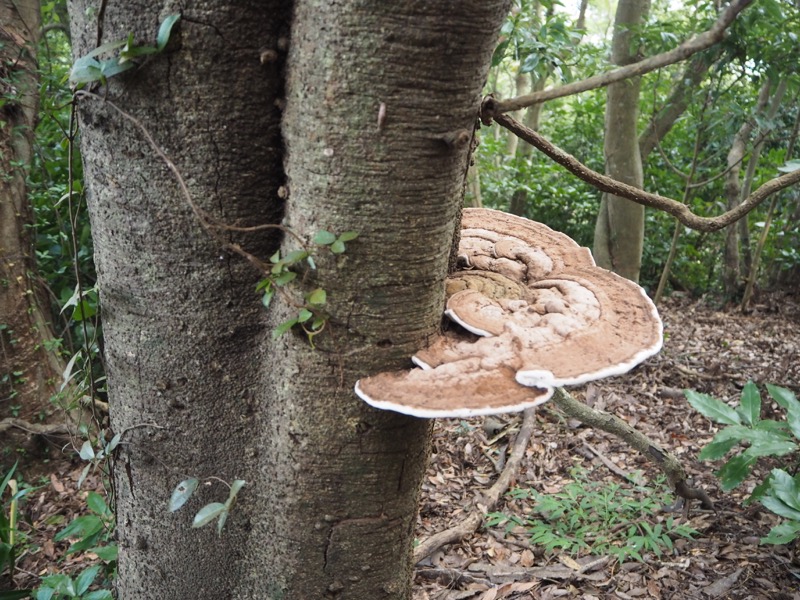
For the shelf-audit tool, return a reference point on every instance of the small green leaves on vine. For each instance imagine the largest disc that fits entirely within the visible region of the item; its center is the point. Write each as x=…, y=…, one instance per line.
x=214, y=510
x=311, y=315
x=336, y=244
x=91, y=68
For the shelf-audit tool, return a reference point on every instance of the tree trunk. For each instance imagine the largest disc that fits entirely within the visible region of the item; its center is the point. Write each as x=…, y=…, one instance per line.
x=619, y=231
x=685, y=86
x=374, y=139
x=733, y=195
x=29, y=373
x=769, y=115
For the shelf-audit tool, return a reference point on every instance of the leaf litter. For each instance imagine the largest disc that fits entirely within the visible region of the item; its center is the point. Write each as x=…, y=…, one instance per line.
x=708, y=349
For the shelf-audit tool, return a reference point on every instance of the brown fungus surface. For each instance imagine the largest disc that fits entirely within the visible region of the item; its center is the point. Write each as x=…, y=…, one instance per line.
x=533, y=312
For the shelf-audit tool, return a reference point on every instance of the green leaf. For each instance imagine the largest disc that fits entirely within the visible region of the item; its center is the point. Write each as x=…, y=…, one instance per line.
x=80, y=527
x=783, y=397
x=60, y=583
x=304, y=315
x=500, y=52
x=716, y=450
x=114, y=66
x=787, y=488
x=85, y=543
x=208, y=513
x=338, y=247
x=97, y=504
x=68, y=371
x=348, y=236
x=237, y=485
x=324, y=238
x=768, y=444
x=712, y=408
x=275, y=258
x=113, y=443
x=311, y=263
x=99, y=595
x=6, y=479
x=284, y=278
x=132, y=51
x=780, y=508
x=774, y=427
x=85, y=70
x=104, y=48
x=87, y=452
x=44, y=593
x=734, y=471
x=789, y=166
x=84, y=310
x=84, y=474
x=759, y=491
x=166, y=30
x=221, y=522
x=294, y=257
x=283, y=328
x=783, y=533
x=108, y=553
x=182, y=492
x=318, y=297
x=788, y=401
x=266, y=299
x=750, y=404
x=86, y=578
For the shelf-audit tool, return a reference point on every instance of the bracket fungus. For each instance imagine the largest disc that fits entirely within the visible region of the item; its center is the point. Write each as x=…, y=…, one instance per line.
x=532, y=312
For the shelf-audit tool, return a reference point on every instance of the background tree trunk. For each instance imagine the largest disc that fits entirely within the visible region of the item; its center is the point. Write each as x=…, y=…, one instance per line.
x=29, y=373
x=733, y=194
x=330, y=504
x=619, y=232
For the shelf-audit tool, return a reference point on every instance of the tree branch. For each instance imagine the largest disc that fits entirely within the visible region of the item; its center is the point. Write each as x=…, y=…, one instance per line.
x=37, y=428
x=686, y=49
x=617, y=188
x=612, y=424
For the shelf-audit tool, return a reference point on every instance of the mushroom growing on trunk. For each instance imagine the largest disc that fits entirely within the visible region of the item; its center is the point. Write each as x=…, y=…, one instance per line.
x=531, y=312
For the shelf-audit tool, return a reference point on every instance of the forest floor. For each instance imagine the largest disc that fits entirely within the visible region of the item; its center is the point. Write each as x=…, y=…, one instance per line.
x=706, y=349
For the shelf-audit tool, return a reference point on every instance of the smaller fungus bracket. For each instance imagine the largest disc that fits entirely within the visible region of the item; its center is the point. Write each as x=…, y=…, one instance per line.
x=532, y=312
x=458, y=390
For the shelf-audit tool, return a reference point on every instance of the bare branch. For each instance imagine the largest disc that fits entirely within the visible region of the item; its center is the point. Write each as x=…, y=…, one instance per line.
x=612, y=186
x=37, y=428
x=686, y=49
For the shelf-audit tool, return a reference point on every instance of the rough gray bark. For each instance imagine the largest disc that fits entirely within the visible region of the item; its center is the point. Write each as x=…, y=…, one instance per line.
x=330, y=503
x=184, y=333
x=619, y=231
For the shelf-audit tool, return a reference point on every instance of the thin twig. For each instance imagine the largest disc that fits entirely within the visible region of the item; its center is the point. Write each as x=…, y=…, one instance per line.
x=488, y=500
x=209, y=223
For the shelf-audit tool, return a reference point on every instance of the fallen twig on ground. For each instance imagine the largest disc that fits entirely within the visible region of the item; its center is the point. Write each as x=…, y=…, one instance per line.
x=487, y=501
x=672, y=468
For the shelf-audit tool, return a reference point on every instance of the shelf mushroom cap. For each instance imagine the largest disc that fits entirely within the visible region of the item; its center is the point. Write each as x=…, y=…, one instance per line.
x=454, y=390
x=533, y=312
